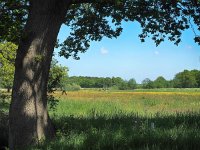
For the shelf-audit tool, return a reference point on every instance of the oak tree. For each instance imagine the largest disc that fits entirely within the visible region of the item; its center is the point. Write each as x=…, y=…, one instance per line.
x=34, y=25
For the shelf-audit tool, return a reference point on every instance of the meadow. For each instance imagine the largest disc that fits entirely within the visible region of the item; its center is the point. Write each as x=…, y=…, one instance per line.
x=126, y=120
x=157, y=120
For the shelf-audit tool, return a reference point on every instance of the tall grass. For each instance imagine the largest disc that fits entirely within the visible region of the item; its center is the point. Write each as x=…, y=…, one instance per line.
x=126, y=120
x=107, y=120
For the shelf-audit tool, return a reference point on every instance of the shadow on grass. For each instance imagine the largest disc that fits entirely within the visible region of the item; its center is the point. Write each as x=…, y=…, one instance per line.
x=180, y=131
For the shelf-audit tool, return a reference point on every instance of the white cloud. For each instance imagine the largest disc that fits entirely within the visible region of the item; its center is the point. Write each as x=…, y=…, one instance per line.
x=156, y=52
x=189, y=47
x=103, y=51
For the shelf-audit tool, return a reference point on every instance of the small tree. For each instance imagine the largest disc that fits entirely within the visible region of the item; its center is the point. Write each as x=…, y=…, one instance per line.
x=160, y=82
x=57, y=76
x=7, y=68
x=185, y=79
x=147, y=84
x=123, y=86
x=132, y=84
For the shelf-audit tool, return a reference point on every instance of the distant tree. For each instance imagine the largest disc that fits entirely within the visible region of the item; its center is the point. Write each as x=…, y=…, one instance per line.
x=132, y=84
x=107, y=82
x=116, y=81
x=170, y=84
x=196, y=74
x=198, y=78
x=123, y=86
x=160, y=82
x=147, y=84
x=7, y=68
x=99, y=82
x=185, y=79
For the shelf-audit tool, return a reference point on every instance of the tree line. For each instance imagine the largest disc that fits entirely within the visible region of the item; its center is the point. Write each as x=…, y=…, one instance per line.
x=101, y=82
x=184, y=79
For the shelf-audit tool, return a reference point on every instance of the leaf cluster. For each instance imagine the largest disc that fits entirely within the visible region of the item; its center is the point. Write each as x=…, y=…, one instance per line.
x=13, y=16
x=7, y=59
x=57, y=75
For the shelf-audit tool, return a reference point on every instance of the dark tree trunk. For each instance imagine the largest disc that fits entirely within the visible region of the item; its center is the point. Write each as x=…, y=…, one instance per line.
x=28, y=117
x=8, y=89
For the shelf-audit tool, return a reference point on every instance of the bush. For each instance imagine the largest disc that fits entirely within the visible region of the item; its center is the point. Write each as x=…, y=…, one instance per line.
x=114, y=87
x=3, y=121
x=3, y=129
x=73, y=87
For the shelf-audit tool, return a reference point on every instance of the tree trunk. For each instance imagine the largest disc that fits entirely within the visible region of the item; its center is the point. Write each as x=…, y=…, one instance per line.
x=28, y=117
x=8, y=89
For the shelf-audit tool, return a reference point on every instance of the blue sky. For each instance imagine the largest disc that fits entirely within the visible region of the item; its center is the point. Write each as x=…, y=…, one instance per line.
x=127, y=57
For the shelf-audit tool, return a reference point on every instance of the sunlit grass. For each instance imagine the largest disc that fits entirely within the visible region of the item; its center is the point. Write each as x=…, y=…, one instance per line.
x=82, y=103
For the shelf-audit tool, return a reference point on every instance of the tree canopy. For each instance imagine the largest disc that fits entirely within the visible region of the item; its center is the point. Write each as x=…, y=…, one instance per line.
x=187, y=79
x=160, y=82
x=91, y=20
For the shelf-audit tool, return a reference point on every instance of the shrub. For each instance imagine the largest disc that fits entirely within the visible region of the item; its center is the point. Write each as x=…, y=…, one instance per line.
x=3, y=121
x=73, y=87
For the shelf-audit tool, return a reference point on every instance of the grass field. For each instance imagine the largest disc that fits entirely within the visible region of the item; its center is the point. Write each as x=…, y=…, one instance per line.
x=141, y=119
x=159, y=119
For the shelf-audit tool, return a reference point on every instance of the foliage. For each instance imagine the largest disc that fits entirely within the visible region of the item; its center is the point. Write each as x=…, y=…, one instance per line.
x=4, y=99
x=161, y=19
x=57, y=79
x=132, y=84
x=187, y=79
x=52, y=102
x=93, y=20
x=7, y=68
x=160, y=82
x=123, y=86
x=147, y=83
x=72, y=87
x=57, y=76
x=101, y=82
x=13, y=14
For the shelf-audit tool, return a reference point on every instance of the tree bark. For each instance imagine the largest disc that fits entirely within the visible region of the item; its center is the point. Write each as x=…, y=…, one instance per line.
x=28, y=116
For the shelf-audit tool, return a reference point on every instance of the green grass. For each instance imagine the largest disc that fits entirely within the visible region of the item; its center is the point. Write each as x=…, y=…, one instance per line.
x=124, y=120
x=121, y=120
x=179, y=131
x=169, y=90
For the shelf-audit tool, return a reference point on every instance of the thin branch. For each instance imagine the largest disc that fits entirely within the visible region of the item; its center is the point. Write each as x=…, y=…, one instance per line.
x=191, y=25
